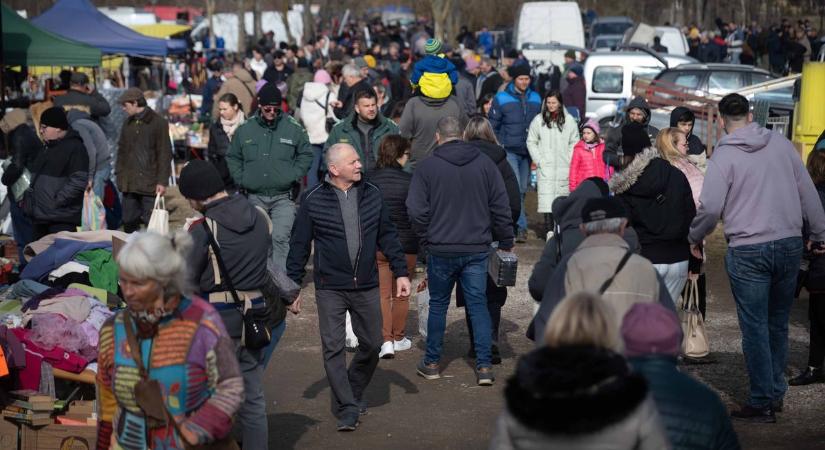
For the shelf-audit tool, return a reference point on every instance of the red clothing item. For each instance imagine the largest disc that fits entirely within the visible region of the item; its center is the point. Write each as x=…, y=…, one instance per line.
x=56, y=357
x=587, y=163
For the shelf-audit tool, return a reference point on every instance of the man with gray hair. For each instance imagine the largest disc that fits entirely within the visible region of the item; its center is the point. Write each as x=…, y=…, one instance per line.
x=353, y=83
x=348, y=222
x=458, y=206
x=602, y=263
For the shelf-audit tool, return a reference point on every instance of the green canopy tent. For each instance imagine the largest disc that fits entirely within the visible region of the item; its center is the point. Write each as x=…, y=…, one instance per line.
x=26, y=45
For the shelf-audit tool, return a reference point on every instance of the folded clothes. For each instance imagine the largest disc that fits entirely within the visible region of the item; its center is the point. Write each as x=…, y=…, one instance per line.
x=35, y=355
x=26, y=289
x=67, y=268
x=59, y=253
x=71, y=303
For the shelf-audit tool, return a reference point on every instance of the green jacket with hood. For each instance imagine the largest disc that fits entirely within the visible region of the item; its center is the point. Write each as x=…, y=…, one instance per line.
x=347, y=132
x=266, y=159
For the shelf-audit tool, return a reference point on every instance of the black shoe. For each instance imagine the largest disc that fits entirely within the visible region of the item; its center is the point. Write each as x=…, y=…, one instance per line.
x=756, y=415
x=362, y=407
x=496, y=355
x=810, y=375
x=521, y=236
x=348, y=422
x=778, y=405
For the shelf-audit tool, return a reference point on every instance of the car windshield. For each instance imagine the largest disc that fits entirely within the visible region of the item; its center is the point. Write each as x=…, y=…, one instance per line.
x=607, y=42
x=608, y=79
x=610, y=28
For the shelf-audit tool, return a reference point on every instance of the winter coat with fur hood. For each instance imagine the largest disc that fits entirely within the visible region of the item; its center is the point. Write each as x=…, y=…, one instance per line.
x=551, y=149
x=315, y=109
x=659, y=203
x=577, y=398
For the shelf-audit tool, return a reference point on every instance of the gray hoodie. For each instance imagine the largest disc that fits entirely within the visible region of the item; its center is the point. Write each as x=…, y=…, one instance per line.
x=757, y=184
x=420, y=120
x=97, y=147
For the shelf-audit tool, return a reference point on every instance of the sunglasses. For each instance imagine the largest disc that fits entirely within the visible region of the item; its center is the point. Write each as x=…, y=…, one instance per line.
x=269, y=108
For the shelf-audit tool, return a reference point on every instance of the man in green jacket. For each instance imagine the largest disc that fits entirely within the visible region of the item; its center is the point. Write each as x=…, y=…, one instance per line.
x=267, y=158
x=364, y=129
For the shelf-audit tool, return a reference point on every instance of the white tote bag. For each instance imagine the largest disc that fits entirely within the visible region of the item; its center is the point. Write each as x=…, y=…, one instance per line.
x=159, y=220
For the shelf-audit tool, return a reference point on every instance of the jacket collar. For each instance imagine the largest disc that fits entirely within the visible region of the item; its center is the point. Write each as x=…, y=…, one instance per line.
x=260, y=120
x=624, y=180
x=604, y=240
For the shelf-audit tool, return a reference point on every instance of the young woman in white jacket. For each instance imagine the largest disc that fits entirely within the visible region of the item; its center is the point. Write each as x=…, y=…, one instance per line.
x=316, y=108
x=550, y=140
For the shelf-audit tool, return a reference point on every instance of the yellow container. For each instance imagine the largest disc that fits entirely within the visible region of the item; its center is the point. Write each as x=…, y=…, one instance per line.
x=809, y=118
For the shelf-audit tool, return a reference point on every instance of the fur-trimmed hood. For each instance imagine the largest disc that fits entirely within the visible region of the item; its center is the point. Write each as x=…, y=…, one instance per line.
x=622, y=181
x=573, y=390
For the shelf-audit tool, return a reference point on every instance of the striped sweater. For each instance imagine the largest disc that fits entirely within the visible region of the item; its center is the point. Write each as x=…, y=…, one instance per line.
x=194, y=360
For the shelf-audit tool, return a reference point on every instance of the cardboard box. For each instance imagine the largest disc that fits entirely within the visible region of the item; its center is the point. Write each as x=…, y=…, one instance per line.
x=81, y=410
x=59, y=437
x=8, y=435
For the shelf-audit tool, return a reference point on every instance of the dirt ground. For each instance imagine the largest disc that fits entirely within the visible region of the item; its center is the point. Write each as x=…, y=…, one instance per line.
x=408, y=412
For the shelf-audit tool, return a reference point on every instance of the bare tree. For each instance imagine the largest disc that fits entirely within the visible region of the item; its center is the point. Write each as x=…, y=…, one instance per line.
x=241, y=27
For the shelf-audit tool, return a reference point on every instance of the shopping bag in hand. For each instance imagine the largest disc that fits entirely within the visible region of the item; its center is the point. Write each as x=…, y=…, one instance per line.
x=159, y=220
x=94, y=215
x=695, y=340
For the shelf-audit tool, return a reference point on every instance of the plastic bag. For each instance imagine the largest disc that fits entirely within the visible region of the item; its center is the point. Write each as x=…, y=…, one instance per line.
x=422, y=298
x=159, y=220
x=352, y=339
x=94, y=215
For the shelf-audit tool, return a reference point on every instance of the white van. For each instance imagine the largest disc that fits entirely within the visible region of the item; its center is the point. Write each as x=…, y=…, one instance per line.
x=670, y=37
x=548, y=22
x=609, y=77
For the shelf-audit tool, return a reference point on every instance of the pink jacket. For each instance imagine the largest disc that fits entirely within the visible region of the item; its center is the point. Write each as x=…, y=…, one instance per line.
x=587, y=163
x=694, y=176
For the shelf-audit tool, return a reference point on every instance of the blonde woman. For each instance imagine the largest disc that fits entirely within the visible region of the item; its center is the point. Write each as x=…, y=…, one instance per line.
x=673, y=147
x=577, y=391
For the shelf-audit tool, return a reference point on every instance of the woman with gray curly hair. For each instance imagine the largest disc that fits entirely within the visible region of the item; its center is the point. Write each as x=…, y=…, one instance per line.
x=177, y=382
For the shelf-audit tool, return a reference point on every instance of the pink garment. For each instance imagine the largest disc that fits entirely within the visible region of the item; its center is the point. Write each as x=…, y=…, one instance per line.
x=72, y=303
x=35, y=355
x=322, y=76
x=587, y=162
x=694, y=176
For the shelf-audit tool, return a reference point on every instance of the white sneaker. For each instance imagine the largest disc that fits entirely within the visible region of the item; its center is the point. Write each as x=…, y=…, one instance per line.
x=387, y=351
x=403, y=344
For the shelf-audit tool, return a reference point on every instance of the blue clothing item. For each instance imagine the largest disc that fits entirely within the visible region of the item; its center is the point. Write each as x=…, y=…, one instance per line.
x=26, y=289
x=21, y=229
x=443, y=272
x=433, y=64
x=763, y=281
x=521, y=167
x=313, y=176
x=60, y=252
x=485, y=42
x=99, y=181
x=213, y=85
x=276, y=333
x=511, y=114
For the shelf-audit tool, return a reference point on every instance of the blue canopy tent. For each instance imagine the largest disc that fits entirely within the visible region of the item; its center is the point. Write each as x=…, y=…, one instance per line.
x=81, y=21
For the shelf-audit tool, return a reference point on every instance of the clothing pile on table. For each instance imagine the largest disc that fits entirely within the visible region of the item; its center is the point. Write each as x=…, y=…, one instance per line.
x=51, y=318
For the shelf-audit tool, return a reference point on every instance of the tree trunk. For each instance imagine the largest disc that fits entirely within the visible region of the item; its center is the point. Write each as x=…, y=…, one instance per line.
x=285, y=14
x=210, y=11
x=241, y=28
x=309, y=23
x=256, y=20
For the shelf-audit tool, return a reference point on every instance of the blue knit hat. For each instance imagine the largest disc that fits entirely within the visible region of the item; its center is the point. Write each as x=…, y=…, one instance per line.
x=433, y=46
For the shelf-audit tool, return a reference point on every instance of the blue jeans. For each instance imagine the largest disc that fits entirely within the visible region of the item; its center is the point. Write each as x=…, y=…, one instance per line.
x=22, y=230
x=99, y=182
x=276, y=333
x=521, y=166
x=317, y=160
x=763, y=279
x=442, y=274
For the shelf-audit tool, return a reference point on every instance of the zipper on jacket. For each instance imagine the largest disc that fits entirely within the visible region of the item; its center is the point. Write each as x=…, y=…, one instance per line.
x=360, y=240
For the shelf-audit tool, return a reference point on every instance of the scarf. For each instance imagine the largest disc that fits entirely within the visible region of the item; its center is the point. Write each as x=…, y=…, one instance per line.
x=591, y=145
x=229, y=126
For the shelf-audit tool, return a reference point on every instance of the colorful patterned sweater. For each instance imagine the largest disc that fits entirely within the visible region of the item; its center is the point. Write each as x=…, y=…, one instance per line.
x=194, y=360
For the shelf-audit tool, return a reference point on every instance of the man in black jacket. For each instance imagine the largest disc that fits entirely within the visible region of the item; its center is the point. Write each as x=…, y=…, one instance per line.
x=84, y=98
x=242, y=234
x=59, y=177
x=348, y=222
x=24, y=147
x=458, y=206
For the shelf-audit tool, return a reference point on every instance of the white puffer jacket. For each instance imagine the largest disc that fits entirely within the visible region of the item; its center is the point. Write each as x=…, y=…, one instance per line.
x=312, y=113
x=551, y=149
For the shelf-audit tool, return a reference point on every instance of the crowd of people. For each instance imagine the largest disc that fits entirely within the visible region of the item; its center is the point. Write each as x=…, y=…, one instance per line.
x=372, y=160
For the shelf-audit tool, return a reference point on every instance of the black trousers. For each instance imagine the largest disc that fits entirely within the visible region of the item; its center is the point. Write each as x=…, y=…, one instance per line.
x=549, y=224
x=137, y=208
x=816, y=314
x=348, y=384
x=43, y=229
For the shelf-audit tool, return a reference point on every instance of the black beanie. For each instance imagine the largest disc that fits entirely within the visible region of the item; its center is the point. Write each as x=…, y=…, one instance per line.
x=199, y=180
x=55, y=117
x=269, y=95
x=517, y=70
x=634, y=138
x=602, y=208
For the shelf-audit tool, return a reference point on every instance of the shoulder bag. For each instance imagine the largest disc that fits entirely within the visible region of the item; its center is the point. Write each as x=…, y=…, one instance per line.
x=695, y=340
x=256, y=321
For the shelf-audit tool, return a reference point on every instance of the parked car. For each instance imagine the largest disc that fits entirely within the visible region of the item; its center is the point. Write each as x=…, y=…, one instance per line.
x=606, y=42
x=717, y=79
x=609, y=25
x=609, y=76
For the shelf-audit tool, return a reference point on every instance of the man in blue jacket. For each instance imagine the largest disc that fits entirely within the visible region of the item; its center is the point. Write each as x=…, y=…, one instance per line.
x=458, y=206
x=510, y=115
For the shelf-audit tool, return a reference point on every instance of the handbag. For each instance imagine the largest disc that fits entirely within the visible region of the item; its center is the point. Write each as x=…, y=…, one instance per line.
x=695, y=340
x=149, y=397
x=19, y=187
x=330, y=122
x=159, y=220
x=256, y=321
x=94, y=215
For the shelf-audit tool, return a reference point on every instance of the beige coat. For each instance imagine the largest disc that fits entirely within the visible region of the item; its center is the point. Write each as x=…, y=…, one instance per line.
x=242, y=85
